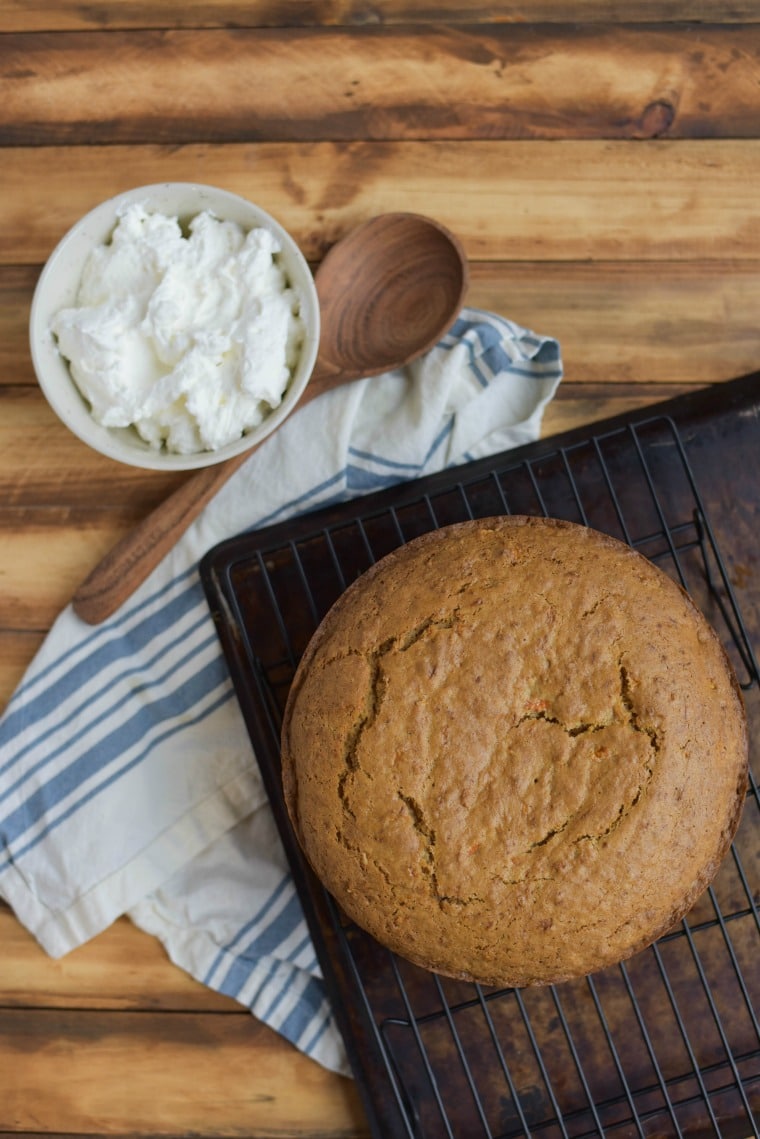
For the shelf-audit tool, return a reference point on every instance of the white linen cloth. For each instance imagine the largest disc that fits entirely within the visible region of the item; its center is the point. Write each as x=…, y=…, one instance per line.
x=128, y=784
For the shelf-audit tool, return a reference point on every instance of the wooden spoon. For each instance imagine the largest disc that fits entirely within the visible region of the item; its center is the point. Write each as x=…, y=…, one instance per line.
x=387, y=293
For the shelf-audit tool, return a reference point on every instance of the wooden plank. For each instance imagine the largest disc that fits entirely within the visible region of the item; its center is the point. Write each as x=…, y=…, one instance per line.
x=634, y=323
x=157, y=1074
x=581, y=405
x=43, y=464
x=16, y=652
x=516, y=201
x=619, y=322
x=16, y=288
x=48, y=15
x=123, y=968
x=45, y=557
x=468, y=81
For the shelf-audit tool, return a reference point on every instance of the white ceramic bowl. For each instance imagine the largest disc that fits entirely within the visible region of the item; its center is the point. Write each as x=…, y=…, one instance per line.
x=57, y=289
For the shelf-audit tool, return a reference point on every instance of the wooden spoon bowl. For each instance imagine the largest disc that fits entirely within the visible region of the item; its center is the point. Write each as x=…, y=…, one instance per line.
x=386, y=292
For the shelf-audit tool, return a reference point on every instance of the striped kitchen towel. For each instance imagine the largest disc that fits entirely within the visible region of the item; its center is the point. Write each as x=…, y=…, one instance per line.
x=127, y=780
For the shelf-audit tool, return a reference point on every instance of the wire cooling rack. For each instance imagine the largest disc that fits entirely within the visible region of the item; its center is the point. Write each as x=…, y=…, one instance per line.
x=665, y=1044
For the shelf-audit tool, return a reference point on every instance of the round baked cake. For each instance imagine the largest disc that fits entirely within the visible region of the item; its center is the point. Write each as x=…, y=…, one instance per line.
x=514, y=751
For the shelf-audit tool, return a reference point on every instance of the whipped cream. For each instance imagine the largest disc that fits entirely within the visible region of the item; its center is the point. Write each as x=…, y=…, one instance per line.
x=189, y=337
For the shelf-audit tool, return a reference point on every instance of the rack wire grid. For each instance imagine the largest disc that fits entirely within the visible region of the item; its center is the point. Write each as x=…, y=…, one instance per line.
x=665, y=1044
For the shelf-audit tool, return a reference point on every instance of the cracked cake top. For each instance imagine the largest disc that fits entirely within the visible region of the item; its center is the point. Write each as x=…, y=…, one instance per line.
x=514, y=751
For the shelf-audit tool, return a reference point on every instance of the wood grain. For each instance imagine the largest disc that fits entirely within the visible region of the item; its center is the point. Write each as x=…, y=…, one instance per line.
x=46, y=465
x=635, y=323
x=467, y=81
x=117, y=972
x=17, y=648
x=49, y=15
x=16, y=288
x=146, y=1073
x=511, y=201
x=46, y=554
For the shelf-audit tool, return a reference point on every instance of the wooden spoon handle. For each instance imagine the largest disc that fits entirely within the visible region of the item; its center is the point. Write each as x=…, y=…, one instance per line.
x=127, y=565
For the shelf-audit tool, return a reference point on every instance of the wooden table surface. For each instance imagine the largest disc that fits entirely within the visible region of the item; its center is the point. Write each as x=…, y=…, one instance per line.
x=600, y=161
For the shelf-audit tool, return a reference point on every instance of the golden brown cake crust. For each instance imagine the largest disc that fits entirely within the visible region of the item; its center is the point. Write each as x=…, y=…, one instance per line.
x=515, y=751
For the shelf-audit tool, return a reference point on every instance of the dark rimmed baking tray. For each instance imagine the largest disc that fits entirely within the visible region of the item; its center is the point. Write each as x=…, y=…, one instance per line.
x=666, y=1044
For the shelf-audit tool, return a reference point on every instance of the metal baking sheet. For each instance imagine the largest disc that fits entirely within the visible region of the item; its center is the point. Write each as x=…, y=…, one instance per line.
x=666, y=1044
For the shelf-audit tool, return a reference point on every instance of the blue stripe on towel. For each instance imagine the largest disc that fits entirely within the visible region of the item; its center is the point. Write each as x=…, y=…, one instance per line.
x=381, y=460
x=322, y=1020
x=174, y=707
x=266, y=943
x=71, y=679
x=73, y=711
x=285, y=885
